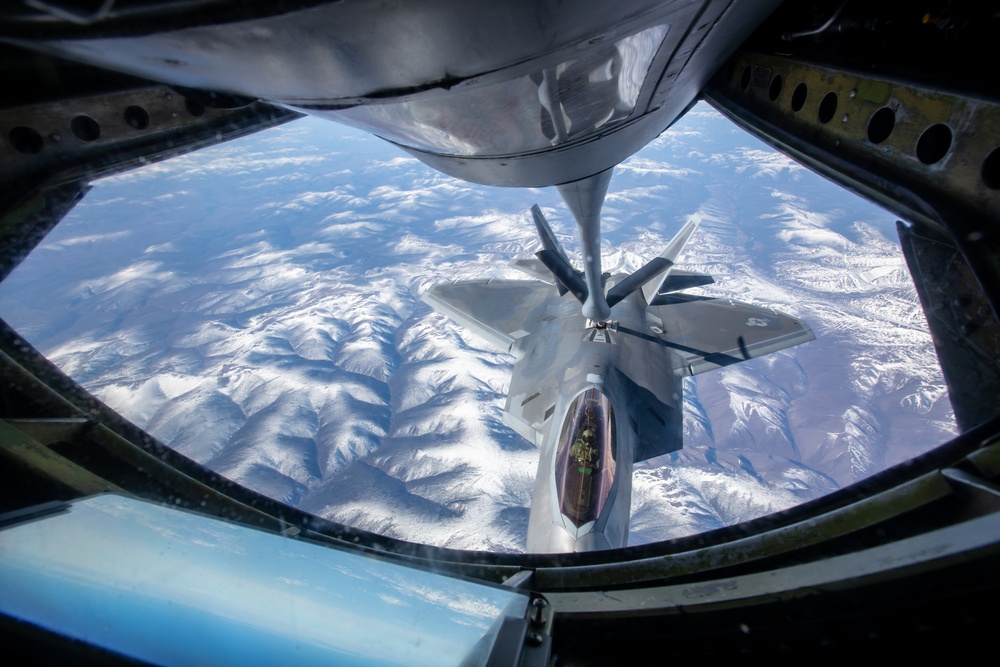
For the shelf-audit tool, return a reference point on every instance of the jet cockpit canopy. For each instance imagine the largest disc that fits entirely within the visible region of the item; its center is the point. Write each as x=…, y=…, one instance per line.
x=586, y=458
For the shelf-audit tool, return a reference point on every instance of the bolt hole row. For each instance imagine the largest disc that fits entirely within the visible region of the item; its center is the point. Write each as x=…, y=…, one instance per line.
x=27, y=140
x=932, y=146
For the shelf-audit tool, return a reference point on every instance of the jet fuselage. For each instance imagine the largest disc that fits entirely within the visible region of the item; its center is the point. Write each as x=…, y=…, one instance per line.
x=576, y=506
x=596, y=397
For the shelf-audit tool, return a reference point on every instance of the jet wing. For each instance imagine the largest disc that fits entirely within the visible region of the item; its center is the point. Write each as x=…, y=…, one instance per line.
x=501, y=311
x=710, y=333
x=659, y=427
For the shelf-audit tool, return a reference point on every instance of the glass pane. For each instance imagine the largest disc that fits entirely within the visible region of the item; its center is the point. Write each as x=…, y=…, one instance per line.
x=585, y=461
x=174, y=588
x=255, y=305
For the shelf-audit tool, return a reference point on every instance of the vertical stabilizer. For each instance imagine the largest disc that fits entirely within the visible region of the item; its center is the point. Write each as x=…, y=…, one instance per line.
x=673, y=250
x=549, y=240
x=554, y=258
x=656, y=276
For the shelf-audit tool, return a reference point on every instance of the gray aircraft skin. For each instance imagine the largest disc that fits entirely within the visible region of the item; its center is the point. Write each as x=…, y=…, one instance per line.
x=597, y=397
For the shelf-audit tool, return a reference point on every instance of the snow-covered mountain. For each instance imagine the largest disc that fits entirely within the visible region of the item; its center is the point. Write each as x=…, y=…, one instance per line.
x=255, y=305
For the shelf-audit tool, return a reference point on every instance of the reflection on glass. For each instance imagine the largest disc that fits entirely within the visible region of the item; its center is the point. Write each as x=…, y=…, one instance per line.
x=174, y=588
x=548, y=107
x=255, y=306
x=585, y=460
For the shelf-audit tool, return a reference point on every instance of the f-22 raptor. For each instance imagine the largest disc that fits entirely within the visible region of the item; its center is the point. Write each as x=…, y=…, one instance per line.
x=598, y=396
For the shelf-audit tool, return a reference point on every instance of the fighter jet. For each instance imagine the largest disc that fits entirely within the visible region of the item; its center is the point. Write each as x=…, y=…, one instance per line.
x=598, y=394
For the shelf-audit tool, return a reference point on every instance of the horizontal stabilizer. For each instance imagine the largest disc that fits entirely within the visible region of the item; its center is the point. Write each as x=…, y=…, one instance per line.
x=678, y=280
x=564, y=273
